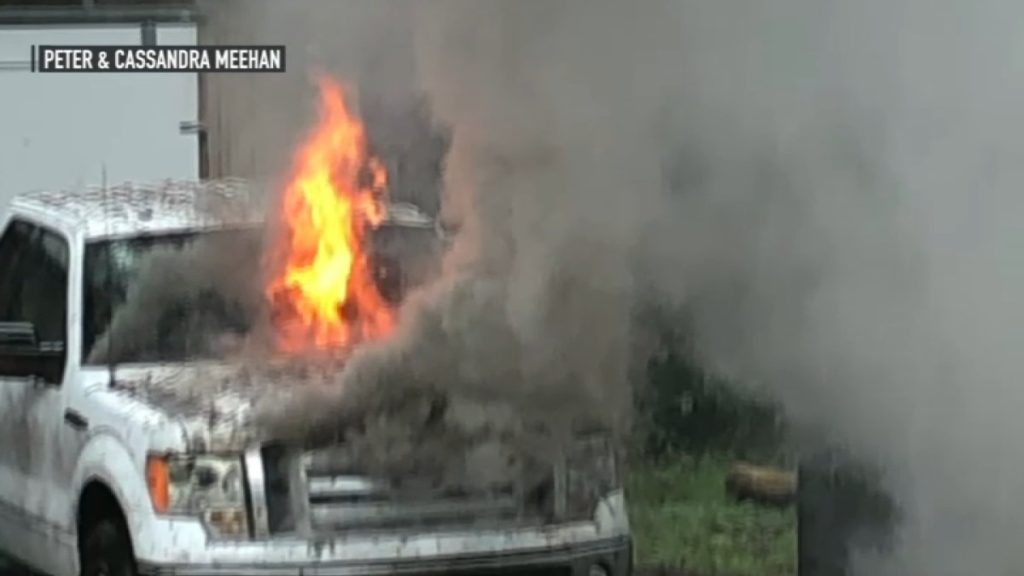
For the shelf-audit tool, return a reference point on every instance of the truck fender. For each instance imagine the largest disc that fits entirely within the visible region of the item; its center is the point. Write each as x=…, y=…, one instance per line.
x=106, y=459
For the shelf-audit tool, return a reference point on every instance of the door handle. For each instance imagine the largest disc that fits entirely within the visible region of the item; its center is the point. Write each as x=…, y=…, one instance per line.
x=75, y=420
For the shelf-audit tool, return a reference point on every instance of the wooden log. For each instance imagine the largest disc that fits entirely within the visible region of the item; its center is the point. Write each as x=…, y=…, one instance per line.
x=761, y=484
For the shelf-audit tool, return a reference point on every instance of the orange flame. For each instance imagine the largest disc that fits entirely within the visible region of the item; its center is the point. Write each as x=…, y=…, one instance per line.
x=323, y=295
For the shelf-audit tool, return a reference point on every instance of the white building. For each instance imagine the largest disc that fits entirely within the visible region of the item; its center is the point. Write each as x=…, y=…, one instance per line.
x=64, y=130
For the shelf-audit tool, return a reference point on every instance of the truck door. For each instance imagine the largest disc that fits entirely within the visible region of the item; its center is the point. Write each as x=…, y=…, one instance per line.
x=34, y=501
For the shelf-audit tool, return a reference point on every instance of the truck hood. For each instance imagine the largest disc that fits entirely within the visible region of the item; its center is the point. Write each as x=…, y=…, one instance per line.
x=214, y=402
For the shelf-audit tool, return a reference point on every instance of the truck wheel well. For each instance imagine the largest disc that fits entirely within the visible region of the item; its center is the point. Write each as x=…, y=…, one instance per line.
x=97, y=503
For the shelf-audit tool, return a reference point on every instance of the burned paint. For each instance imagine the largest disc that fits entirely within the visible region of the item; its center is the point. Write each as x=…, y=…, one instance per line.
x=215, y=402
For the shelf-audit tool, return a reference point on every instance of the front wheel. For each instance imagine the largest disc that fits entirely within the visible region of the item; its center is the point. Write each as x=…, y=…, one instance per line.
x=107, y=550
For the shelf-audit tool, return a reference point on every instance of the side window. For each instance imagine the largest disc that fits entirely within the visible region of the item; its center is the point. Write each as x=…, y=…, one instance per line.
x=34, y=279
x=14, y=252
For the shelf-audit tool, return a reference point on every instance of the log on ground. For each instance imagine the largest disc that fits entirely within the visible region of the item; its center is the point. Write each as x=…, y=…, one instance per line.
x=761, y=484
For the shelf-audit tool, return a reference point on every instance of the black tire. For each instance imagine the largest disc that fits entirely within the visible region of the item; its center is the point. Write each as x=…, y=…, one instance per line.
x=107, y=550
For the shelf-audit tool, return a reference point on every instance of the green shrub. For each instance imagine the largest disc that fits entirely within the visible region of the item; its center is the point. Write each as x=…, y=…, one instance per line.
x=682, y=407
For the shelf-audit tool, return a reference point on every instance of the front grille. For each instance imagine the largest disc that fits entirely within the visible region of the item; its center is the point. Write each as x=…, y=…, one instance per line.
x=315, y=493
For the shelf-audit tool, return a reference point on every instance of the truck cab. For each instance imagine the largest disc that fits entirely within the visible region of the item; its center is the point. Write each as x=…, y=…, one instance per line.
x=128, y=446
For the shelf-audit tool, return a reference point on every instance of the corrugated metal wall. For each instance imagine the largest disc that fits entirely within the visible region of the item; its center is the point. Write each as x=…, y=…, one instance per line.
x=250, y=119
x=254, y=121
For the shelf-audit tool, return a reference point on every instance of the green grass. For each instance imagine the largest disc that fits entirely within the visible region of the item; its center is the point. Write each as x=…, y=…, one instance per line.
x=683, y=521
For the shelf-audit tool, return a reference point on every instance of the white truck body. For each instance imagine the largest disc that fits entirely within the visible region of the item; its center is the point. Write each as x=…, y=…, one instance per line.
x=76, y=450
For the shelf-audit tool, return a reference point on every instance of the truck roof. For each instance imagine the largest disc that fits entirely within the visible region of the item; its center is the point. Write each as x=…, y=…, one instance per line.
x=145, y=208
x=167, y=206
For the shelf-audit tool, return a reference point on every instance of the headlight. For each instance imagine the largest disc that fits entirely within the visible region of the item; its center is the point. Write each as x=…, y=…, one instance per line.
x=210, y=487
x=591, y=473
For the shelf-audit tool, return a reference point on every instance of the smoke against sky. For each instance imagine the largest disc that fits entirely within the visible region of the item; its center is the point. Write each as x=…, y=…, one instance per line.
x=845, y=212
x=831, y=188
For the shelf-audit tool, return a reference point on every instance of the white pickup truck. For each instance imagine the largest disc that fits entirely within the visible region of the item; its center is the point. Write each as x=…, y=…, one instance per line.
x=148, y=466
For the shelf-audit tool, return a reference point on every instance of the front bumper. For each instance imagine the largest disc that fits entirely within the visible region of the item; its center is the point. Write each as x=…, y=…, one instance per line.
x=614, y=555
x=569, y=549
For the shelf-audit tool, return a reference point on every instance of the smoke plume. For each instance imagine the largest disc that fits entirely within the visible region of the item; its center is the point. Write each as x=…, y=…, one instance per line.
x=830, y=188
x=844, y=178
x=189, y=300
x=526, y=337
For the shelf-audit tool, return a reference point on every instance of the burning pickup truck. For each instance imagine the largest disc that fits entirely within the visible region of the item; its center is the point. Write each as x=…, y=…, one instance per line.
x=128, y=442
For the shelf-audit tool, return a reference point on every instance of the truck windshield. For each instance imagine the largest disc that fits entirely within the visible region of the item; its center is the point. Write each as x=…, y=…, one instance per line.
x=403, y=257
x=168, y=298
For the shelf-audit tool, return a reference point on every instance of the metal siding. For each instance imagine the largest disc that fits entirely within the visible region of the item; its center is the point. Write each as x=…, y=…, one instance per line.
x=252, y=120
x=255, y=121
x=63, y=130
x=49, y=12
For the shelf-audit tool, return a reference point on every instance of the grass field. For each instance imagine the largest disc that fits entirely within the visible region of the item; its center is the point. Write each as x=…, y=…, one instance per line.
x=685, y=524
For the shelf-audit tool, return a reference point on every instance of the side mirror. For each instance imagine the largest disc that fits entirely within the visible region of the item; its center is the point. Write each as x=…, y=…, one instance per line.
x=23, y=356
